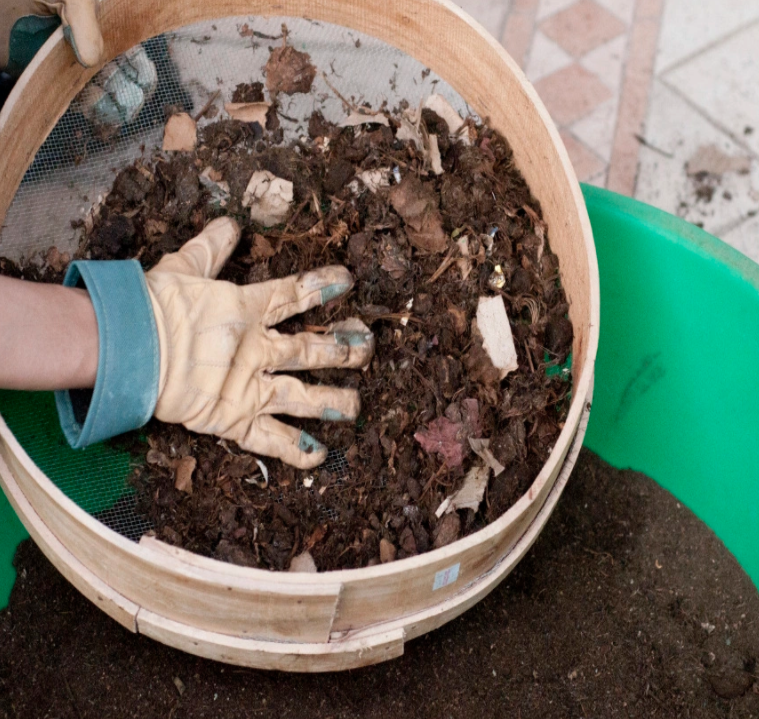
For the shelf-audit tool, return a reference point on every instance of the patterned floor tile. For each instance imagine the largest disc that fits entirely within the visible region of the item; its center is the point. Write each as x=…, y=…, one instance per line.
x=674, y=133
x=545, y=57
x=597, y=129
x=585, y=162
x=606, y=62
x=724, y=83
x=571, y=93
x=582, y=27
x=692, y=25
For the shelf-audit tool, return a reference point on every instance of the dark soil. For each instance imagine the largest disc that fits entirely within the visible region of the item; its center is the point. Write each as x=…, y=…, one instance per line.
x=627, y=606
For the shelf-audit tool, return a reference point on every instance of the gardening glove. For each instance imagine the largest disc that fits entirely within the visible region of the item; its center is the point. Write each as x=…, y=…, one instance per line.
x=25, y=25
x=203, y=353
x=119, y=91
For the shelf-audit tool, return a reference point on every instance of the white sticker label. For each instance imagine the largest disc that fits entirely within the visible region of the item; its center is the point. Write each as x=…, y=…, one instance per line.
x=446, y=576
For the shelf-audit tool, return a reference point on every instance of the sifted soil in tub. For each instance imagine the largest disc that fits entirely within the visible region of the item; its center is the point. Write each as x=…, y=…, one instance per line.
x=423, y=249
x=626, y=606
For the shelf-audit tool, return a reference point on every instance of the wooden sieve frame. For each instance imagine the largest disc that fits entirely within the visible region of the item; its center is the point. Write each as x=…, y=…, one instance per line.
x=338, y=619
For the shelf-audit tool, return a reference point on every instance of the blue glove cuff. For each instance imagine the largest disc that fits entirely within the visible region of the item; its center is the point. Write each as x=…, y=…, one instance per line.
x=126, y=387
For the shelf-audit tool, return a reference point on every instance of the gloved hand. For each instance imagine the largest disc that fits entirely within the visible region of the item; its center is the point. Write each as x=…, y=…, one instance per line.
x=119, y=91
x=203, y=353
x=116, y=94
x=25, y=25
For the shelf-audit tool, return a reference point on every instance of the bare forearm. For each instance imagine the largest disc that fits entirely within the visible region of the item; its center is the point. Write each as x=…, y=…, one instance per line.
x=48, y=337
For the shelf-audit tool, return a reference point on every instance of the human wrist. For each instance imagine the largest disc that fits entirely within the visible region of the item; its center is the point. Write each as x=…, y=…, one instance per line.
x=126, y=384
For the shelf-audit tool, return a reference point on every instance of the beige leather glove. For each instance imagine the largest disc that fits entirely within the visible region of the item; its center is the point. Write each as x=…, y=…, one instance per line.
x=25, y=24
x=220, y=354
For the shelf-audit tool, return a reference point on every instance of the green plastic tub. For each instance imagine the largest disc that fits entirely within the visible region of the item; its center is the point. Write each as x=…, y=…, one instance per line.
x=677, y=374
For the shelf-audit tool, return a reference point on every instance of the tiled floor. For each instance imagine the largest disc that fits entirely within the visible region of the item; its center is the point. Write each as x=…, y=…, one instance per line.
x=644, y=91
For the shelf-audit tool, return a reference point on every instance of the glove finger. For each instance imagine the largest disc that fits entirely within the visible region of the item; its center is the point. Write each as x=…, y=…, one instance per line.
x=82, y=30
x=288, y=395
x=204, y=255
x=140, y=69
x=112, y=99
x=272, y=438
x=350, y=349
x=298, y=293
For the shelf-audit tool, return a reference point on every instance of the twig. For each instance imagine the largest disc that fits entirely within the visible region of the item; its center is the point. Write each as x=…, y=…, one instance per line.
x=642, y=140
x=207, y=106
x=529, y=357
x=444, y=265
x=395, y=317
x=291, y=221
x=347, y=103
x=443, y=467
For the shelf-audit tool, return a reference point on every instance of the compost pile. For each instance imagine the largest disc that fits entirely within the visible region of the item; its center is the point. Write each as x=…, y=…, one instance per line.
x=430, y=214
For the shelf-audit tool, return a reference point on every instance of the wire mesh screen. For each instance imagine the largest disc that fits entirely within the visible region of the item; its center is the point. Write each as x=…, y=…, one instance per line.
x=73, y=170
x=77, y=163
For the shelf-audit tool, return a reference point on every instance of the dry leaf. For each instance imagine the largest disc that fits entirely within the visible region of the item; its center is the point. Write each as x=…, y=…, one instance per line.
x=447, y=531
x=314, y=538
x=713, y=161
x=433, y=154
x=495, y=329
x=289, y=71
x=444, y=438
x=481, y=447
x=156, y=457
x=155, y=227
x=459, y=319
x=262, y=249
x=304, y=562
x=409, y=131
x=269, y=198
x=470, y=495
x=443, y=109
x=393, y=261
x=418, y=204
x=387, y=551
x=365, y=118
x=248, y=111
x=56, y=260
x=184, y=468
x=180, y=134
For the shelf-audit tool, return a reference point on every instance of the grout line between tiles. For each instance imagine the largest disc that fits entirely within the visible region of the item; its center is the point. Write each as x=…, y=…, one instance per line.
x=634, y=98
x=737, y=139
x=706, y=48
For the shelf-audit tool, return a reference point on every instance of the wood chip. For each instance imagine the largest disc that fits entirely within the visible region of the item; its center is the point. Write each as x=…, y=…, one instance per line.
x=180, y=134
x=304, y=562
x=387, y=551
x=433, y=152
x=248, y=111
x=497, y=340
x=185, y=467
x=359, y=118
